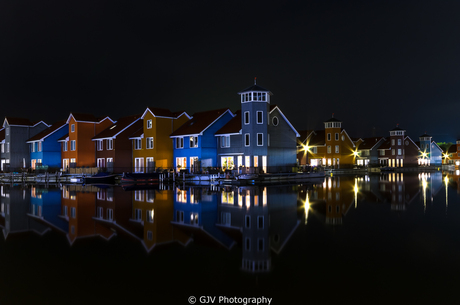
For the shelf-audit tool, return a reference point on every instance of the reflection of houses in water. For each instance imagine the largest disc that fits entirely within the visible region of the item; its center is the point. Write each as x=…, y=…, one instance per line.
x=430, y=185
x=195, y=214
x=14, y=210
x=260, y=219
x=77, y=207
x=45, y=207
x=334, y=199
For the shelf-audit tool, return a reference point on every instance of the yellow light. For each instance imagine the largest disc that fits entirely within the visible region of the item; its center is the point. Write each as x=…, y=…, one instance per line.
x=306, y=207
x=355, y=153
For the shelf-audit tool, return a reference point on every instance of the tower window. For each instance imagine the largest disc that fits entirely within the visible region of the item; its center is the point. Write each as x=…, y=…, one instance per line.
x=246, y=117
x=260, y=119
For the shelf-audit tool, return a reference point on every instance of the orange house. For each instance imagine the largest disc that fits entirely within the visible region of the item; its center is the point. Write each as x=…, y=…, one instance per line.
x=152, y=146
x=78, y=149
x=329, y=147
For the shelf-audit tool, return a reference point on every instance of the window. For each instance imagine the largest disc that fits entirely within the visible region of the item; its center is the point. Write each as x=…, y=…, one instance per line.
x=39, y=146
x=260, y=115
x=343, y=138
x=73, y=212
x=246, y=117
x=260, y=139
x=179, y=142
x=193, y=142
x=329, y=149
x=260, y=246
x=149, y=124
x=260, y=222
x=137, y=144
x=248, y=244
x=393, y=152
x=150, y=214
x=393, y=142
x=3, y=147
x=194, y=218
x=246, y=139
x=337, y=149
x=275, y=121
x=109, y=144
x=328, y=136
x=247, y=221
x=149, y=235
x=99, y=145
x=382, y=152
x=399, y=151
x=225, y=141
x=7, y=148
x=138, y=215
x=32, y=147
x=109, y=214
x=179, y=216
x=399, y=141
x=72, y=128
x=149, y=143
x=73, y=145
x=64, y=146
x=336, y=136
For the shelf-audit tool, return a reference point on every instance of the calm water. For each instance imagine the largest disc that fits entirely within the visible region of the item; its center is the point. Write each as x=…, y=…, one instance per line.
x=389, y=239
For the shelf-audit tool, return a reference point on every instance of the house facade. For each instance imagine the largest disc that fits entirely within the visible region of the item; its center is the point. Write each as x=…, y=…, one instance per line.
x=430, y=152
x=398, y=150
x=331, y=147
x=78, y=148
x=194, y=142
x=45, y=150
x=368, y=153
x=114, y=147
x=151, y=145
x=17, y=132
x=259, y=138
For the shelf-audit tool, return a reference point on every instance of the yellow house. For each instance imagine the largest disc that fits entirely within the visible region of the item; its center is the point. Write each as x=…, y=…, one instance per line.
x=329, y=147
x=152, y=146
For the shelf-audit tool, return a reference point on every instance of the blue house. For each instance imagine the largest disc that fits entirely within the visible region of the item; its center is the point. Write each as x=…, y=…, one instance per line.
x=45, y=208
x=430, y=152
x=194, y=141
x=260, y=139
x=45, y=150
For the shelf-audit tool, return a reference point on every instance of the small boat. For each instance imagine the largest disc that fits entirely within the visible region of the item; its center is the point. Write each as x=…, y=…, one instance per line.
x=387, y=169
x=140, y=177
x=247, y=177
x=101, y=177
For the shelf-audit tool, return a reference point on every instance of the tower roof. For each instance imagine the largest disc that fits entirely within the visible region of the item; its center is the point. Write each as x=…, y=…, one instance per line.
x=332, y=120
x=425, y=136
x=397, y=128
x=255, y=88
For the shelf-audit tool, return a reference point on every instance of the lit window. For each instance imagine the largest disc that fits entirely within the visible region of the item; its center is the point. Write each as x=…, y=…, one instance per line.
x=329, y=149
x=150, y=214
x=149, y=124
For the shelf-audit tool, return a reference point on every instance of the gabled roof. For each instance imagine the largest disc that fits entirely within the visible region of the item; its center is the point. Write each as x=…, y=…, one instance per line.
x=317, y=138
x=47, y=132
x=232, y=127
x=284, y=117
x=397, y=128
x=86, y=118
x=200, y=122
x=370, y=143
x=137, y=134
x=164, y=113
x=21, y=122
x=121, y=125
x=407, y=137
x=304, y=135
x=332, y=120
x=386, y=144
x=255, y=88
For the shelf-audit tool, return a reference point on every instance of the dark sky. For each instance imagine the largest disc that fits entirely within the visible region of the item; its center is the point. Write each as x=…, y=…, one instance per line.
x=373, y=63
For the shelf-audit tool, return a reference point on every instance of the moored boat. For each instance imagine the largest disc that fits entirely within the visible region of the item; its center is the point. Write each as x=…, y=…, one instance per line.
x=140, y=177
x=101, y=177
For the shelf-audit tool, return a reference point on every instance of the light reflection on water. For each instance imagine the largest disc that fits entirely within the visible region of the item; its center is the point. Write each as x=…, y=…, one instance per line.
x=272, y=234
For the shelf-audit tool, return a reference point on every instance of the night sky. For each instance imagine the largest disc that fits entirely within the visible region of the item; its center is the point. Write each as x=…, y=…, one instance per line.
x=374, y=64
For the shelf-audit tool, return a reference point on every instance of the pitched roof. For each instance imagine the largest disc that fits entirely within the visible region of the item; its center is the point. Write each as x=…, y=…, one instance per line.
x=332, y=120
x=285, y=118
x=163, y=112
x=397, y=128
x=255, y=88
x=138, y=133
x=369, y=143
x=386, y=144
x=304, y=135
x=233, y=126
x=17, y=121
x=86, y=117
x=452, y=149
x=63, y=138
x=425, y=136
x=317, y=138
x=50, y=130
x=200, y=122
x=121, y=125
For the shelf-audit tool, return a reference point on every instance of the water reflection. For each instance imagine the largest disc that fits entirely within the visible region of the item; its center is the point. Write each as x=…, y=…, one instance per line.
x=257, y=220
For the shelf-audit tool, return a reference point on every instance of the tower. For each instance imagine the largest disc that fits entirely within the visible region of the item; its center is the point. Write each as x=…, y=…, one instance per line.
x=425, y=148
x=332, y=129
x=255, y=109
x=397, y=136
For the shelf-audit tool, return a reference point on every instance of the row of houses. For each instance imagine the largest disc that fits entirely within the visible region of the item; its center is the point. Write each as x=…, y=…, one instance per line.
x=258, y=137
